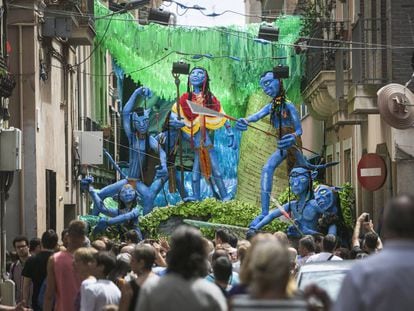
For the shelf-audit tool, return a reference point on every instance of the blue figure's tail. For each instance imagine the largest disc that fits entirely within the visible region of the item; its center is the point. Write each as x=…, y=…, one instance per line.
x=302, y=161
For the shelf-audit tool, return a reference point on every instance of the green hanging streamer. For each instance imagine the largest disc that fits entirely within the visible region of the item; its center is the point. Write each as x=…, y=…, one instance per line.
x=135, y=47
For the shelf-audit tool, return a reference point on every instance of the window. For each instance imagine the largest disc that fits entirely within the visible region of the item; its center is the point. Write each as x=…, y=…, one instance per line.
x=303, y=110
x=347, y=166
x=329, y=180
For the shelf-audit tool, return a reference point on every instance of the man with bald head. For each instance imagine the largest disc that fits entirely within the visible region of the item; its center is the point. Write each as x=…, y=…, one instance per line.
x=384, y=281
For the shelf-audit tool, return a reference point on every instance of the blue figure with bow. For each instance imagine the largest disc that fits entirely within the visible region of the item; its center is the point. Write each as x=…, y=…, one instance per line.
x=285, y=119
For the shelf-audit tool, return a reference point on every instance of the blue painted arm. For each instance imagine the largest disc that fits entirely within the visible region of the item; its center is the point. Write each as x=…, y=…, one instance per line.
x=229, y=132
x=105, y=223
x=174, y=122
x=288, y=140
x=260, y=114
x=133, y=214
x=295, y=119
x=276, y=213
x=161, y=153
x=99, y=206
x=111, y=190
x=332, y=229
x=129, y=107
x=241, y=124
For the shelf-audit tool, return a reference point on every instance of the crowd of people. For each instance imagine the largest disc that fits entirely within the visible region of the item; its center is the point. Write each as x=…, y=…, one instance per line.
x=190, y=272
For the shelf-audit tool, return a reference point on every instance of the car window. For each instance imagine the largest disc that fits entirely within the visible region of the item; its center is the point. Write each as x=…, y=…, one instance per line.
x=330, y=281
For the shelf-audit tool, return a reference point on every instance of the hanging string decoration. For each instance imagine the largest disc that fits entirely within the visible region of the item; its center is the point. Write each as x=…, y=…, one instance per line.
x=230, y=54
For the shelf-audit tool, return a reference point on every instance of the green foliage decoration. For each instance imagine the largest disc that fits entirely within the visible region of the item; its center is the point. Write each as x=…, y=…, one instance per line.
x=146, y=54
x=234, y=213
x=347, y=199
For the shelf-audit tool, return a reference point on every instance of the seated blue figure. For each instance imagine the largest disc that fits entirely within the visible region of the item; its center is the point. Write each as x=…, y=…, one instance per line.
x=304, y=211
x=125, y=217
x=327, y=200
x=332, y=220
x=136, y=123
x=285, y=119
x=198, y=131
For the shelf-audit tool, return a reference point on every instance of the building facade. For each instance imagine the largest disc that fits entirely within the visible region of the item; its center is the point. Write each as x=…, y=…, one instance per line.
x=359, y=48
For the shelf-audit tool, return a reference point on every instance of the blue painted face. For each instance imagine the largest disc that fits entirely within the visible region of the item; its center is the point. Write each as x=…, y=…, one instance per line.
x=127, y=194
x=197, y=77
x=141, y=123
x=299, y=180
x=270, y=85
x=325, y=197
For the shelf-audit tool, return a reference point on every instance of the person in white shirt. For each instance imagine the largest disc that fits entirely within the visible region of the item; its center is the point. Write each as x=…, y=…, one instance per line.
x=328, y=247
x=96, y=295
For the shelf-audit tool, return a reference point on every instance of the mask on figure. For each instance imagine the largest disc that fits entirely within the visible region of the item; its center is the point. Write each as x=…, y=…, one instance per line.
x=269, y=84
x=299, y=180
x=325, y=197
x=197, y=77
x=127, y=194
x=140, y=120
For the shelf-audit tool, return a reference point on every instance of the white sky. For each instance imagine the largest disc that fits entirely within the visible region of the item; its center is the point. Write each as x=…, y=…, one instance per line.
x=195, y=18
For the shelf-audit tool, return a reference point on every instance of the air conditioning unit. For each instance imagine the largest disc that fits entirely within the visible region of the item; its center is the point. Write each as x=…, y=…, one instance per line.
x=89, y=147
x=10, y=149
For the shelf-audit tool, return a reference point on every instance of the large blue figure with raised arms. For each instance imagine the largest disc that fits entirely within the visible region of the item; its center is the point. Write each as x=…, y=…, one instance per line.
x=135, y=123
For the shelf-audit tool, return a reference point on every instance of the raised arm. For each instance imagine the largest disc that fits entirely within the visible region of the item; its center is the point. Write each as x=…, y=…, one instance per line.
x=129, y=107
x=98, y=204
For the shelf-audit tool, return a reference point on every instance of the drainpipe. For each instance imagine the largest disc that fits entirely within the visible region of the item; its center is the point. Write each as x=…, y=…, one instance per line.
x=21, y=180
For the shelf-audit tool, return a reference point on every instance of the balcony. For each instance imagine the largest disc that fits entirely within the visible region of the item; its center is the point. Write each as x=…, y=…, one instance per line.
x=369, y=64
x=323, y=57
x=79, y=28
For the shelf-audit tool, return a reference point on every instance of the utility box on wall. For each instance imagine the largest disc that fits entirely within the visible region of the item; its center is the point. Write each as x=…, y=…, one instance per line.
x=10, y=149
x=89, y=146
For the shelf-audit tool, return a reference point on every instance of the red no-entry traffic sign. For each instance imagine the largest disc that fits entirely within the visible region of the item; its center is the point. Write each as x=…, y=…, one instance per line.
x=372, y=171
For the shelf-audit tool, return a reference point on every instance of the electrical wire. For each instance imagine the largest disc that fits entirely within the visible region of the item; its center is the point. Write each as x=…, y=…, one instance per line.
x=96, y=46
x=228, y=31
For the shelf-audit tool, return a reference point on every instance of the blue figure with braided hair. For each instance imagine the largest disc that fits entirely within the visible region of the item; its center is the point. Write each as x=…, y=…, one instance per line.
x=285, y=119
x=331, y=221
x=198, y=131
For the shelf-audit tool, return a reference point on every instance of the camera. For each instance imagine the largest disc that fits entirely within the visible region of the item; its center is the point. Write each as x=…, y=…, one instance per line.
x=366, y=219
x=181, y=68
x=281, y=72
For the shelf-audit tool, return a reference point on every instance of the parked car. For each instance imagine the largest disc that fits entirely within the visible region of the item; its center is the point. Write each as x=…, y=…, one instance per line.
x=327, y=275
